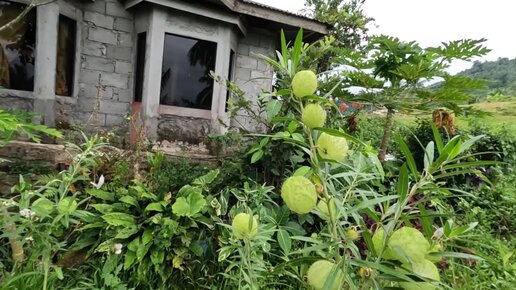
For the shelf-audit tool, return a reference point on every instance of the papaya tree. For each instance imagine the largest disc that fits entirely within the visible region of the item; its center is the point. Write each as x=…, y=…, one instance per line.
x=403, y=77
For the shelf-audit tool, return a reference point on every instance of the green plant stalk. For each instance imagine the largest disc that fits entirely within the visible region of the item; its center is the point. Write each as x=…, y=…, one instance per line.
x=317, y=167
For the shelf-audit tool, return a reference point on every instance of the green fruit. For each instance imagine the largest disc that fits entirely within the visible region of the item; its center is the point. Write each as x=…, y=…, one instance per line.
x=299, y=194
x=304, y=83
x=352, y=234
x=408, y=243
x=241, y=227
x=332, y=147
x=424, y=269
x=325, y=210
x=313, y=116
x=318, y=274
x=378, y=245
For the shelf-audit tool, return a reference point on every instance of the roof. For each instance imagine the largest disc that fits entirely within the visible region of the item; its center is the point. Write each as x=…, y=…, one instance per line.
x=257, y=14
x=282, y=17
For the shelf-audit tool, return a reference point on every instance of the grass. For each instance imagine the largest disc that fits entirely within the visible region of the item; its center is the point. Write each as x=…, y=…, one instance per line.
x=500, y=115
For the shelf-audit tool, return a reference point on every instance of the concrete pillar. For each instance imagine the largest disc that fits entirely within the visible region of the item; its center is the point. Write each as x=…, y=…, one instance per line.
x=45, y=63
x=152, y=75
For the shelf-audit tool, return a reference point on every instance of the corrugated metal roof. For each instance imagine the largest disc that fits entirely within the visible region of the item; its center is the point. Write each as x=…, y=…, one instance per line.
x=280, y=10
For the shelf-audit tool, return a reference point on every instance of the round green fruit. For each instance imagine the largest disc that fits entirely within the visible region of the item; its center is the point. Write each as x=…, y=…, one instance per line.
x=332, y=147
x=313, y=116
x=304, y=83
x=299, y=194
x=241, y=227
x=408, y=243
x=318, y=274
x=424, y=269
x=352, y=234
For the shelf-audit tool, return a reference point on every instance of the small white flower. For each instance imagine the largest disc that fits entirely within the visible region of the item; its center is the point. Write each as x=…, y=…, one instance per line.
x=27, y=213
x=29, y=239
x=390, y=157
x=118, y=249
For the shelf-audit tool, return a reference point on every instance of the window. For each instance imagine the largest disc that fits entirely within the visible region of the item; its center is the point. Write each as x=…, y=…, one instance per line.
x=185, y=79
x=17, y=45
x=140, y=65
x=65, y=56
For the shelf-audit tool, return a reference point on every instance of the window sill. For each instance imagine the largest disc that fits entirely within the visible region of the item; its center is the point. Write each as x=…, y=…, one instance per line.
x=66, y=100
x=16, y=93
x=184, y=112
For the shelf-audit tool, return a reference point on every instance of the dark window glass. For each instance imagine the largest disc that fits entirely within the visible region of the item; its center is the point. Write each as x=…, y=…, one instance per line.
x=230, y=75
x=140, y=66
x=185, y=79
x=17, y=44
x=65, y=62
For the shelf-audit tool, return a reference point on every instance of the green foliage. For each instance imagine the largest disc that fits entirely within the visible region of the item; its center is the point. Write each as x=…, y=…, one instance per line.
x=500, y=76
x=13, y=124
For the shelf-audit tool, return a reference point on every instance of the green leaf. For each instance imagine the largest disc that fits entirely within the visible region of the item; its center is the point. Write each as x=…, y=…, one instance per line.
x=126, y=232
x=206, y=179
x=101, y=194
x=408, y=155
x=42, y=207
x=103, y=208
x=284, y=241
x=119, y=219
x=190, y=205
x=429, y=155
x=157, y=257
x=437, y=138
x=147, y=236
x=128, y=199
x=59, y=272
x=67, y=205
x=403, y=182
x=129, y=259
x=305, y=171
x=256, y=156
x=273, y=108
x=155, y=206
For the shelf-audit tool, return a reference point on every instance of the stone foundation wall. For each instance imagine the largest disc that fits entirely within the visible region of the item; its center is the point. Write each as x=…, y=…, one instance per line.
x=187, y=129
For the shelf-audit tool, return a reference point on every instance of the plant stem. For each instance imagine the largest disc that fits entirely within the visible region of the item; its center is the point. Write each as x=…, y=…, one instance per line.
x=387, y=130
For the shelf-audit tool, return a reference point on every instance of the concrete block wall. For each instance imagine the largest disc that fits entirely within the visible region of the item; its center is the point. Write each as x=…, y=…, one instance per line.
x=252, y=74
x=106, y=71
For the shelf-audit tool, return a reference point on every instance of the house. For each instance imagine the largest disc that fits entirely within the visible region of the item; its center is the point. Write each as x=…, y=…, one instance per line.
x=72, y=60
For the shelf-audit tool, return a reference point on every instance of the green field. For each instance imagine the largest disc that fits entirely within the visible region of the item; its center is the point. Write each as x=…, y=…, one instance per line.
x=502, y=114
x=499, y=115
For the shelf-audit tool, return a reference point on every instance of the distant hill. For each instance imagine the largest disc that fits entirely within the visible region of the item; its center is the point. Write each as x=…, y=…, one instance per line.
x=500, y=75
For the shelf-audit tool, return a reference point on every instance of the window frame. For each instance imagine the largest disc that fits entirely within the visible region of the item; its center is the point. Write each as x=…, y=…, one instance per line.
x=58, y=7
x=20, y=93
x=68, y=10
x=219, y=67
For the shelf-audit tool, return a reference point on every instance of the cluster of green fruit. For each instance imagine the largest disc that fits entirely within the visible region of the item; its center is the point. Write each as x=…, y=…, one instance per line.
x=408, y=246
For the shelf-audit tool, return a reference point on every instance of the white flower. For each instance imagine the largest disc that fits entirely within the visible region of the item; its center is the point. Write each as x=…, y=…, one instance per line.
x=29, y=239
x=27, y=213
x=118, y=249
x=390, y=157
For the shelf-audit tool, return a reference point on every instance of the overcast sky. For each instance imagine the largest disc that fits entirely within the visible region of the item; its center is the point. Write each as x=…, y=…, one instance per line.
x=430, y=22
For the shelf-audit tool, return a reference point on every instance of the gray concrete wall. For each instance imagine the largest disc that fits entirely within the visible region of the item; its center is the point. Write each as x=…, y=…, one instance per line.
x=106, y=67
x=252, y=74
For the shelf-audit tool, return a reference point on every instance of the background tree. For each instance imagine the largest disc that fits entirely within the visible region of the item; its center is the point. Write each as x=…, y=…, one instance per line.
x=395, y=75
x=348, y=25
